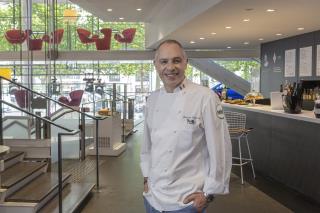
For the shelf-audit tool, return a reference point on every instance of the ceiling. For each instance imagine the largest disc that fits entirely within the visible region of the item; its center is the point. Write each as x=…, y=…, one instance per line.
x=289, y=15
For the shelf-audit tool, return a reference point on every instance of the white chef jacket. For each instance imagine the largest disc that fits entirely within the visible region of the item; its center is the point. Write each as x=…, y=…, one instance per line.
x=186, y=146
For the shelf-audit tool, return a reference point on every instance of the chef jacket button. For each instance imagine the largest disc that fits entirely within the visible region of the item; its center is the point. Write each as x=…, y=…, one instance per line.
x=165, y=170
x=179, y=111
x=174, y=131
x=170, y=151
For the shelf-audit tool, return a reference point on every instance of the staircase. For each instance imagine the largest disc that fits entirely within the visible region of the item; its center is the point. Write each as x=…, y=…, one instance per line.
x=27, y=187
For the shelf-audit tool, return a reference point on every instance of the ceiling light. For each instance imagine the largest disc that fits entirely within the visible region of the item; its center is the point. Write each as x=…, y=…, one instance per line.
x=201, y=38
x=246, y=20
x=300, y=28
x=260, y=39
x=246, y=43
x=229, y=47
x=139, y=9
x=228, y=27
x=192, y=42
x=121, y=18
x=213, y=33
x=271, y=10
x=109, y=9
x=278, y=34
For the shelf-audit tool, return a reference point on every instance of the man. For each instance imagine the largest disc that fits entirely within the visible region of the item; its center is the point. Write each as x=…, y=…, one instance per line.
x=186, y=153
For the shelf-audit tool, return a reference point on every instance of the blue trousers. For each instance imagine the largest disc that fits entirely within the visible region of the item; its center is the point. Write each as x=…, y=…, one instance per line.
x=188, y=209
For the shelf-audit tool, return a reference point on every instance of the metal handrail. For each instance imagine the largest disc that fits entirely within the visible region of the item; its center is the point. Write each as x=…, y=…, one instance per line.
x=46, y=97
x=34, y=115
x=60, y=163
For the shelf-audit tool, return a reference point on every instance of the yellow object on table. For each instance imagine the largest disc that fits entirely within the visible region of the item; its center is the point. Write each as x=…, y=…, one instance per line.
x=105, y=112
x=6, y=73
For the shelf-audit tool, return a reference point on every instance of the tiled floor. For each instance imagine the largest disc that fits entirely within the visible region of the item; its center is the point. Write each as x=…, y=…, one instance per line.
x=121, y=190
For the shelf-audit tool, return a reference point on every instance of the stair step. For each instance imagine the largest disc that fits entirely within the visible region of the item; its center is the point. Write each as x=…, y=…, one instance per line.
x=38, y=189
x=10, y=156
x=10, y=159
x=72, y=197
x=18, y=172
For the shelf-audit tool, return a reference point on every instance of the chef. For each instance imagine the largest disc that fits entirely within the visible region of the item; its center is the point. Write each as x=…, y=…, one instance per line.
x=186, y=152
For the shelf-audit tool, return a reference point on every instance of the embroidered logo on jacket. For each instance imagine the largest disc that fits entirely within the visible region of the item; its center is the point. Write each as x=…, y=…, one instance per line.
x=219, y=111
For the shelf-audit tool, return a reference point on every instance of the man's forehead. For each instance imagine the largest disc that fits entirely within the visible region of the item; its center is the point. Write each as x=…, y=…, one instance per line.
x=170, y=51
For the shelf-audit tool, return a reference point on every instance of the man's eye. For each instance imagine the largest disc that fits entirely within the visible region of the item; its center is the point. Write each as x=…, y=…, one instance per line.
x=177, y=61
x=163, y=62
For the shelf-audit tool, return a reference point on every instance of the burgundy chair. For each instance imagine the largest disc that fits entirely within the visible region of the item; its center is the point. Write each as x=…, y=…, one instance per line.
x=55, y=37
x=15, y=36
x=33, y=43
x=22, y=98
x=103, y=43
x=84, y=36
x=75, y=98
x=126, y=36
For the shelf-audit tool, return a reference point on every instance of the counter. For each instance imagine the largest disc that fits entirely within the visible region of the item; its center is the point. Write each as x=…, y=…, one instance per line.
x=285, y=147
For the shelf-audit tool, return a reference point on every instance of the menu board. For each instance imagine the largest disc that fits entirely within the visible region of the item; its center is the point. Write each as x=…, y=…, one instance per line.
x=318, y=60
x=290, y=63
x=305, y=62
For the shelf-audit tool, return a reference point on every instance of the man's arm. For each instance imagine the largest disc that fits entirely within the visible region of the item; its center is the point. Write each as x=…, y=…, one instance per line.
x=145, y=150
x=219, y=147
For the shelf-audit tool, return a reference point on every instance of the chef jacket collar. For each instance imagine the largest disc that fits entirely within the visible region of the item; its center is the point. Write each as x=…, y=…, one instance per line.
x=179, y=88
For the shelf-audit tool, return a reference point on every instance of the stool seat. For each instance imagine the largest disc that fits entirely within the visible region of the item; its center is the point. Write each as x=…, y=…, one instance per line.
x=237, y=129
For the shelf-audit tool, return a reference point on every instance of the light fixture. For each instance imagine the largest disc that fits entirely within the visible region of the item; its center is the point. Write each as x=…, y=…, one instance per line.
x=109, y=10
x=246, y=43
x=99, y=87
x=260, y=39
x=229, y=47
x=121, y=18
x=201, y=38
x=246, y=20
x=278, y=34
x=139, y=9
x=271, y=10
x=213, y=33
x=70, y=15
x=88, y=78
x=300, y=28
x=192, y=42
x=228, y=27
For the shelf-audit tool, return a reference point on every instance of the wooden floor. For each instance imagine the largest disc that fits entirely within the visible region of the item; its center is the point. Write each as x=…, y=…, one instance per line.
x=122, y=184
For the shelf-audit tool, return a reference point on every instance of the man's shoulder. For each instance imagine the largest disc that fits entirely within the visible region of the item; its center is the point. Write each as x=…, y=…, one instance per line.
x=200, y=90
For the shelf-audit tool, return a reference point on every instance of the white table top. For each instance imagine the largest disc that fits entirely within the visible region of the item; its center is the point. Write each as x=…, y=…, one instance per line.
x=4, y=149
x=304, y=115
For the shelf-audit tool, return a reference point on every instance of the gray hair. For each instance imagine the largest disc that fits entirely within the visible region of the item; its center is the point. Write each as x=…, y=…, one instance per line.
x=170, y=41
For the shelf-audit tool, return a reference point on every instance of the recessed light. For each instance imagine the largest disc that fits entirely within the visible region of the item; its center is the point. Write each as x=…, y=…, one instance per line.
x=260, y=39
x=109, y=9
x=278, y=34
x=201, y=38
x=300, y=28
x=246, y=20
x=213, y=33
x=121, y=18
x=271, y=10
x=139, y=9
x=228, y=27
x=229, y=47
x=192, y=42
x=246, y=42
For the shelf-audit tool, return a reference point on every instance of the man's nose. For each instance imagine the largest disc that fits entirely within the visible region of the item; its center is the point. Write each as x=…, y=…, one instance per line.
x=171, y=66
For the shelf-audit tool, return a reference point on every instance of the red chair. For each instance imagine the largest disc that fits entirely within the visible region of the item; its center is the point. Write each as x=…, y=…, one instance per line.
x=126, y=36
x=103, y=43
x=84, y=36
x=33, y=43
x=22, y=98
x=75, y=98
x=15, y=36
x=55, y=37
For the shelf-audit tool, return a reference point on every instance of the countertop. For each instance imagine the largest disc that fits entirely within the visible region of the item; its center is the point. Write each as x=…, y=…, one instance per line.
x=304, y=115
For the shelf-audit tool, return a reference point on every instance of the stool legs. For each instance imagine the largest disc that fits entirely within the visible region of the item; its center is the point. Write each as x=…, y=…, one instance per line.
x=251, y=160
x=240, y=159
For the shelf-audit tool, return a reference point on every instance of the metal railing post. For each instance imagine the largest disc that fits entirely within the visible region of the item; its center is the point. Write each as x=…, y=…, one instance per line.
x=82, y=136
x=60, y=172
x=38, y=126
x=97, y=152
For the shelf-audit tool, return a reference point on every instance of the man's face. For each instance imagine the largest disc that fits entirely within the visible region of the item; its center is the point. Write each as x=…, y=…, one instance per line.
x=170, y=63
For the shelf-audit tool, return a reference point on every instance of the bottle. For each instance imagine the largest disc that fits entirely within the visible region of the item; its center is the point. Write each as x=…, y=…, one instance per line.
x=281, y=88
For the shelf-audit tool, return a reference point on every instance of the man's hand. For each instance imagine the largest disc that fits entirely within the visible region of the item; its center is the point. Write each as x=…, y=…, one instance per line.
x=199, y=200
x=145, y=185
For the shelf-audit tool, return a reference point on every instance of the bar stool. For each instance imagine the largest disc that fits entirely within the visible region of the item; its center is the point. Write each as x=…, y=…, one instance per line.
x=237, y=128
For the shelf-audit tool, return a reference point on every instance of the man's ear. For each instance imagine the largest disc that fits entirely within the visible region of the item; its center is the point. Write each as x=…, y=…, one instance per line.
x=187, y=60
x=154, y=61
